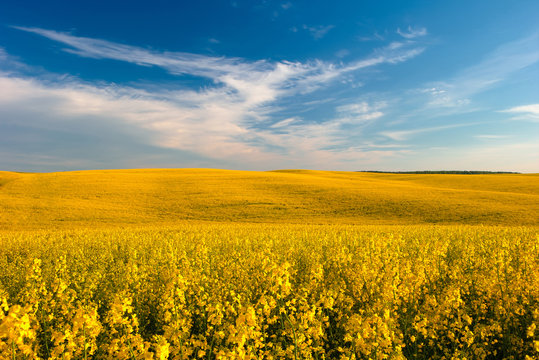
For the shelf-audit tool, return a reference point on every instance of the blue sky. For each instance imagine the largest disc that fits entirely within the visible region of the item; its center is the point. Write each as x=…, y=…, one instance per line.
x=261, y=85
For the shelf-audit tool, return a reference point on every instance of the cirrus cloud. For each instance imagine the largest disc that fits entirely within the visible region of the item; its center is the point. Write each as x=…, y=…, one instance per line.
x=233, y=120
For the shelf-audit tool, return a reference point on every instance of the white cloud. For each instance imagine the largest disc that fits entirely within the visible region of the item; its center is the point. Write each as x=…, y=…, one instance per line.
x=285, y=123
x=218, y=122
x=318, y=32
x=205, y=123
x=257, y=81
x=286, y=5
x=328, y=141
x=375, y=37
x=525, y=112
x=176, y=63
x=342, y=53
x=434, y=91
x=488, y=73
x=491, y=137
x=355, y=108
x=412, y=33
x=532, y=109
x=395, y=45
x=360, y=112
x=400, y=135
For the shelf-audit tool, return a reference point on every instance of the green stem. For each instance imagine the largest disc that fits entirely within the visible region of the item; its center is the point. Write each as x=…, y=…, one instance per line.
x=181, y=347
x=131, y=350
x=131, y=353
x=295, y=337
x=84, y=334
x=45, y=323
x=211, y=347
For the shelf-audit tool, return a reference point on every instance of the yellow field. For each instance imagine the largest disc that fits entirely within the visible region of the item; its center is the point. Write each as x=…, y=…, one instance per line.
x=139, y=197
x=215, y=264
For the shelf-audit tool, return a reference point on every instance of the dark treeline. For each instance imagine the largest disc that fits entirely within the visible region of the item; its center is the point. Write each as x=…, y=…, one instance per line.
x=465, y=172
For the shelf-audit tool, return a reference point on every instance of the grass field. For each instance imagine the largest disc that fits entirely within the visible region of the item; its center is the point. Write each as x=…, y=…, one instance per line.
x=217, y=264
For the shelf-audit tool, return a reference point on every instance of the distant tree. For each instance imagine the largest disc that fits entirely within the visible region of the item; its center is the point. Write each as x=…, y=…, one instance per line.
x=463, y=172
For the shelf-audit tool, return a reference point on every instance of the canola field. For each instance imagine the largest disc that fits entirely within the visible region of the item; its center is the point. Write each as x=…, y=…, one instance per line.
x=163, y=264
x=171, y=196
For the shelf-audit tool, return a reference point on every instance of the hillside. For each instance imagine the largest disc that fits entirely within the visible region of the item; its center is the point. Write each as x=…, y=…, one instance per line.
x=158, y=196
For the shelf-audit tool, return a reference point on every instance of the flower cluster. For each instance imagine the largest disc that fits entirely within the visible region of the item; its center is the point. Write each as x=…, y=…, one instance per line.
x=227, y=291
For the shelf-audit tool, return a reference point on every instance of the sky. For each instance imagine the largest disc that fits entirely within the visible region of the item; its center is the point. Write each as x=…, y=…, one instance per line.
x=262, y=85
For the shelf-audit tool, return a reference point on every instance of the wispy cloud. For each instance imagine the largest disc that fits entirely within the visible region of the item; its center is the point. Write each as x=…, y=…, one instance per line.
x=284, y=123
x=256, y=81
x=491, y=137
x=488, y=73
x=231, y=120
x=374, y=37
x=200, y=122
x=287, y=5
x=525, y=112
x=360, y=112
x=400, y=135
x=332, y=141
x=342, y=53
x=435, y=101
x=176, y=63
x=412, y=33
x=318, y=32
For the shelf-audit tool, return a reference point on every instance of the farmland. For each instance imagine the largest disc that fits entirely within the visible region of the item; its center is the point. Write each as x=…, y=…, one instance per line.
x=166, y=197
x=217, y=264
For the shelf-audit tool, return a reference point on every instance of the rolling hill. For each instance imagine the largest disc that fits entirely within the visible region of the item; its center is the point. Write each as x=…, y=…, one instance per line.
x=110, y=198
